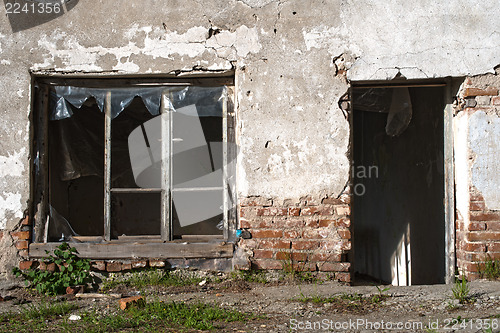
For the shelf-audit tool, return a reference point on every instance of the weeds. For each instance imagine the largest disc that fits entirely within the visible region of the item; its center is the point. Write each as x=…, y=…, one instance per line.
x=198, y=316
x=68, y=270
x=489, y=268
x=155, y=316
x=47, y=310
x=461, y=290
x=250, y=276
x=295, y=270
x=380, y=296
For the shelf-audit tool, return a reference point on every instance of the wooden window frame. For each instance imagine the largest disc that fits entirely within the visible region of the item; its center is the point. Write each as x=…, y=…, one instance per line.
x=103, y=247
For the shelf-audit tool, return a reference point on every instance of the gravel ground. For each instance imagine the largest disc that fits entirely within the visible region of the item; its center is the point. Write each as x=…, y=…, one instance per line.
x=404, y=309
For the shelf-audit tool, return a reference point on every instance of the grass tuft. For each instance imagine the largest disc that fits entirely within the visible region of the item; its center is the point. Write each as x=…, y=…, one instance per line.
x=489, y=268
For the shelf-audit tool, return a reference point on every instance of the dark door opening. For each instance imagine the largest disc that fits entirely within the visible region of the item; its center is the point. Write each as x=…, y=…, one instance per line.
x=398, y=213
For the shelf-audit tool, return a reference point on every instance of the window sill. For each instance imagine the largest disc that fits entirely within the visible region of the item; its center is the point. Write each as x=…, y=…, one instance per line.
x=142, y=248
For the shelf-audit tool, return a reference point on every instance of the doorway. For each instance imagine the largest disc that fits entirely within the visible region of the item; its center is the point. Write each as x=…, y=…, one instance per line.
x=398, y=174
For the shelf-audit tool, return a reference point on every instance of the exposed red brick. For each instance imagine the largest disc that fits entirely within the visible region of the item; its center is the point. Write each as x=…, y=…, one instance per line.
x=469, y=266
x=344, y=234
x=493, y=226
x=325, y=223
x=25, y=264
x=334, y=266
x=304, y=245
x=495, y=100
x=262, y=254
x=315, y=233
x=309, y=211
x=126, y=266
x=25, y=221
x=345, y=245
x=294, y=256
x=488, y=91
x=473, y=247
x=126, y=303
x=477, y=226
x=472, y=276
x=274, y=244
x=475, y=195
x=23, y=253
x=272, y=211
x=494, y=247
x=72, y=290
x=292, y=233
x=20, y=235
x=304, y=266
x=267, y=264
x=267, y=233
x=47, y=267
x=483, y=236
x=99, y=265
x=471, y=256
x=332, y=257
x=332, y=201
x=21, y=245
x=264, y=223
x=157, y=263
x=139, y=264
x=289, y=223
x=114, y=266
x=477, y=206
x=312, y=223
x=343, y=222
x=1, y=235
x=343, y=210
x=244, y=223
x=343, y=277
x=488, y=216
x=294, y=211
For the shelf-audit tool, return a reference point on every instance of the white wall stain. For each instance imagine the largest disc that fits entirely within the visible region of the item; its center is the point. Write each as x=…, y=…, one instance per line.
x=13, y=164
x=10, y=207
x=484, y=141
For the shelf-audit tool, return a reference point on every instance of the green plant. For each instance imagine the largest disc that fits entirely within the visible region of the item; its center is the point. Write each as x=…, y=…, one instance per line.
x=47, y=310
x=461, y=290
x=258, y=276
x=380, y=296
x=489, y=268
x=69, y=270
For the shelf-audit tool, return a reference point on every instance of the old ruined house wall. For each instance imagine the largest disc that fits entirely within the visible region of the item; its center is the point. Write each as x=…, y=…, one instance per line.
x=292, y=61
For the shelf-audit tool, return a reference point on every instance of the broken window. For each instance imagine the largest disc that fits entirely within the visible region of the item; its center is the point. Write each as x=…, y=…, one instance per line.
x=148, y=160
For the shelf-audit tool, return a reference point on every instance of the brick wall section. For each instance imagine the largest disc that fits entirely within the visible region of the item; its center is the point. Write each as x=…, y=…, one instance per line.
x=308, y=235
x=481, y=238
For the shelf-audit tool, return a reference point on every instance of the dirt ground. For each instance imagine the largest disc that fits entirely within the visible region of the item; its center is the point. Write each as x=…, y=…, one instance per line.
x=404, y=309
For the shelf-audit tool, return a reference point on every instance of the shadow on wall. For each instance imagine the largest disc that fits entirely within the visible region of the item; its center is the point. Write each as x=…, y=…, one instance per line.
x=27, y=14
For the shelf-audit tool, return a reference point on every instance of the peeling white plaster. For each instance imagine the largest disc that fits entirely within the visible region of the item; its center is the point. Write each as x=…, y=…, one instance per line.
x=20, y=93
x=10, y=207
x=157, y=44
x=5, y=62
x=484, y=140
x=12, y=165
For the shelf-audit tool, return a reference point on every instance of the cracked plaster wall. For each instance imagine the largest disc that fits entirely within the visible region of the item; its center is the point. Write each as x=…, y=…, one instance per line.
x=293, y=137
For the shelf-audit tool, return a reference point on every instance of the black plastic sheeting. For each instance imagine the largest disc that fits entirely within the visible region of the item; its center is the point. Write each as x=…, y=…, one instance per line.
x=206, y=99
x=77, y=128
x=396, y=102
